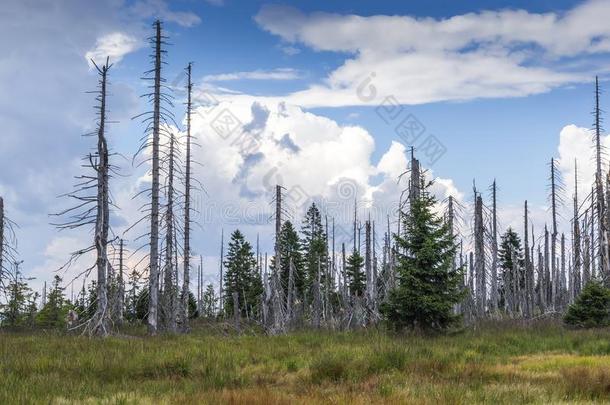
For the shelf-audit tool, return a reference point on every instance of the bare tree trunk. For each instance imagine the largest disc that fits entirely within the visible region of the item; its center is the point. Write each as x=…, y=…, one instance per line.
x=494, y=252
x=586, y=276
x=290, y=294
x=575, y=284
x=121, y=285
x=1, y=237
x=221, y=266
x=367, y=265
x=169, y=292
x=236, y=310
x=186, y=265
x=554, y=278
x=153, y=278
x=414, y=190
x=562, y=275
x=529, y=277
x=541, y=283
x=547, y=276
x=317, y=299
x=602, y=242
x=344, y=271
x=480, y=257
x=593, y=259
x=100, y=324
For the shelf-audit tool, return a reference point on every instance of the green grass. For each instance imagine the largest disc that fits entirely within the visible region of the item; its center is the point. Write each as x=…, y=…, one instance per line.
x=495, y=364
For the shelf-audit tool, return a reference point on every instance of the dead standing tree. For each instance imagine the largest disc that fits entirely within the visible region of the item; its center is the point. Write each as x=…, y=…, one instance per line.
x=494, y=250
x=479, y=255
x=169, y=298
x=8, y=243
x=94, y=210
x=184, y=315
x=156, y=122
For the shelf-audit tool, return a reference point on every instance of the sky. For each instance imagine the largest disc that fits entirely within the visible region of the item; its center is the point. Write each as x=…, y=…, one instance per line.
x=324, y=98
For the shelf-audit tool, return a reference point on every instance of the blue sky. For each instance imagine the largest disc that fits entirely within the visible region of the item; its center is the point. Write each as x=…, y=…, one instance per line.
x=503, y=85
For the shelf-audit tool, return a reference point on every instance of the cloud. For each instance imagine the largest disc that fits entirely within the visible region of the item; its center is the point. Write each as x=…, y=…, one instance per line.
x=506, y=53
x=115, y=46
x=290, y=50
x=275, y=74
x=160, y=9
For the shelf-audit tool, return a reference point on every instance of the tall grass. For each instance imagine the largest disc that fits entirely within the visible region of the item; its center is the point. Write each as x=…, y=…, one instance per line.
x=516, y=364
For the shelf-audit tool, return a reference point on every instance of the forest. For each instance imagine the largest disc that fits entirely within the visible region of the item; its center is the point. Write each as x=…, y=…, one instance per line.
x=437, y=305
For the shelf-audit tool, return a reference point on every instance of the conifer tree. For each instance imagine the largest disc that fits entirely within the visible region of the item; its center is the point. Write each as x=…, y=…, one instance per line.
x=355, y=276
x=511, y=264
x=428, y=285
x=241, y=277
x=290, y=246
x=15, y=312
x=591, y=308
x=208, y=302
x=53, y=313
x=314, y=247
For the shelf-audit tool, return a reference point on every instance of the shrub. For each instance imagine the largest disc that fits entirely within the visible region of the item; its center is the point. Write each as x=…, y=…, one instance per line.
x=591, y=309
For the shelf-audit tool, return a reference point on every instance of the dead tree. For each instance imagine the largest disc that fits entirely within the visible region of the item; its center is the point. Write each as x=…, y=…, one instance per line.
x=367, y=264
x=554, y=280
x=479, y=253
x=120, y=304
x=547, y=275
x=494, y=251
x=94, y=210
x=169, y=310
x=562, y=274
x=220, y=268
x=8, y=243
x=586, y=271
x=576, y=243
x=2, y=270
x=157, y=122
x=602, y=237
x=529, y=273
x=186, y=264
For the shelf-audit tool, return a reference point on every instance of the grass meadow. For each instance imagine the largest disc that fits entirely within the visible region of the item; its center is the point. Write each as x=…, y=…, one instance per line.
x=495, y=363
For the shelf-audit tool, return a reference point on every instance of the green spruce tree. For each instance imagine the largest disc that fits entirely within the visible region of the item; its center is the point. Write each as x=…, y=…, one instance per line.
x=428, y=287
x=290, y=246
x=356, y=278
x=53, y=314
x=15, y=313
x=315, y=249
x=241, y=277
x=208, y=302
x=510, y=259
x=591, y=308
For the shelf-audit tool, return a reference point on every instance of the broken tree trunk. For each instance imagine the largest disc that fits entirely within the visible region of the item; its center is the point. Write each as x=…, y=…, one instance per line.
x=479, y=253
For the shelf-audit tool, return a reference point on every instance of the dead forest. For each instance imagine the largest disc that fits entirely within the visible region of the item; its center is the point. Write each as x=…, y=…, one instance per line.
x=309, y=280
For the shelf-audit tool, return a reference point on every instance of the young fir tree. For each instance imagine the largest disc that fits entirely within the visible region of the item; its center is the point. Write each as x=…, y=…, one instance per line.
x=356, y=278
x=314, y=248
x=290, y=246
x=510, y=261
x=591, y=308
x=131, y=302
x=208, y=302
x=53, y=314
x=428, y=285
x=15, y=313
x=241, y=277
